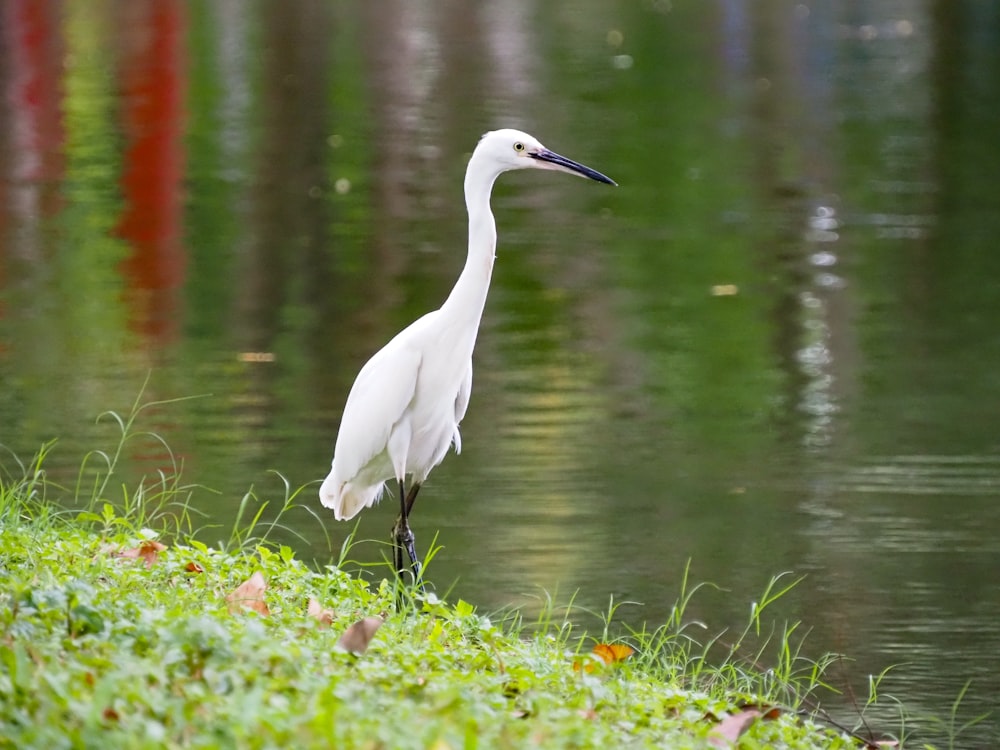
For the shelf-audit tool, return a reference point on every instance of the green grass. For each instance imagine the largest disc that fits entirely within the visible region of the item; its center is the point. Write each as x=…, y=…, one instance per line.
x=97, y=650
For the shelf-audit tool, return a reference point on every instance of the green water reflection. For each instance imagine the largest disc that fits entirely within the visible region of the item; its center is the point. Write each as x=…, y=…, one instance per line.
x=772, y=348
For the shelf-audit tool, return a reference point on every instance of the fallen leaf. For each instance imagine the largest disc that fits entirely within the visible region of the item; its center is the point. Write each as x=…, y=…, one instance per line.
x=325, y=616
x=193, y=567
x=249, y=595
x=149, y=551
x=612, y=653
x=357, y=637
x=768, y=713
x=609, y=653
x=727, y=732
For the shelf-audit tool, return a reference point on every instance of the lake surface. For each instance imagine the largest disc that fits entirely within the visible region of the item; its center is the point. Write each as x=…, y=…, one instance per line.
x=775, y=347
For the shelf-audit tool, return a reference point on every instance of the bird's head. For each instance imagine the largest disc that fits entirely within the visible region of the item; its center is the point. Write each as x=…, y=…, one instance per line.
x=512, y=149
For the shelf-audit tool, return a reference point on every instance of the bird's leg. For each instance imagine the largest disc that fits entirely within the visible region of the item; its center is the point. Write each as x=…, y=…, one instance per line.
x=397, y=548
x=402, y=535
x=411, y=496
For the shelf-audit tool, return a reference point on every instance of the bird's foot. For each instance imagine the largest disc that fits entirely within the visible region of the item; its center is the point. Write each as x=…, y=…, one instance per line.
x=404, y=539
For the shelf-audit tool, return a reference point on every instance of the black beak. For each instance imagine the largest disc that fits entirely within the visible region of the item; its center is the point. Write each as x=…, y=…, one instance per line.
x=568, y=165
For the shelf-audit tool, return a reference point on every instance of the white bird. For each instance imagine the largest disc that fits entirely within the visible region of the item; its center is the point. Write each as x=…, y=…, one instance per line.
x=405, y=406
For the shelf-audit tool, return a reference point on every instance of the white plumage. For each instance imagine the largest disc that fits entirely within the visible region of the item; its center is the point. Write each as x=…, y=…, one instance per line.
x=401, y=415
x=405, y=406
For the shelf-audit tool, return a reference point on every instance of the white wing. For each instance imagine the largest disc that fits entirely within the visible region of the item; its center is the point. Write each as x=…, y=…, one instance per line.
x=461, y=405
x=378, y=399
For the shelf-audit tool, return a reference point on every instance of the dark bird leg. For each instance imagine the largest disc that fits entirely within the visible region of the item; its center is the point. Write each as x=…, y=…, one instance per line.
x=403, y=537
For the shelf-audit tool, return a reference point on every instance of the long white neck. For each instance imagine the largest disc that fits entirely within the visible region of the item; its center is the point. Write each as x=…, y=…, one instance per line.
x=467, y=299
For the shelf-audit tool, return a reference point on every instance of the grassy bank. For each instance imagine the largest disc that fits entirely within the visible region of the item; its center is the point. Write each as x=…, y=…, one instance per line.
x=119, y=629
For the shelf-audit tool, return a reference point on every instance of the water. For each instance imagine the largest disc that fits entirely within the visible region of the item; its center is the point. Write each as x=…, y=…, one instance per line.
x=773, y=348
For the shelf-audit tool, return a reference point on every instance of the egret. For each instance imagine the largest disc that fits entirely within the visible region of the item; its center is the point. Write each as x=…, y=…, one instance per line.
x=404, y=408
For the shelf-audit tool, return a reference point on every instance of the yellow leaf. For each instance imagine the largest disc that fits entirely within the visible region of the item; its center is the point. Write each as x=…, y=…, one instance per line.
x=609, y=653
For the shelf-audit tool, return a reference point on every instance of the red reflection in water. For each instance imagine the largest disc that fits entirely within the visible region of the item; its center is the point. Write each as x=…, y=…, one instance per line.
x=152, y=75
x=33, y=37
x=32, y=132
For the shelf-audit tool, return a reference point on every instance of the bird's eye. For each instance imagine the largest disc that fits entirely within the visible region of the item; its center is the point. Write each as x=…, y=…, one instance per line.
x=519, y=146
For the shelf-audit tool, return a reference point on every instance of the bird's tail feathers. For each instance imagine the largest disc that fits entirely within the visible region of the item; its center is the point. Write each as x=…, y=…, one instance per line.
x=348, y=499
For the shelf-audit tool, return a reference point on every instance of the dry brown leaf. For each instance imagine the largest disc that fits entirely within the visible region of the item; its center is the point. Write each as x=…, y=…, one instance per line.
x=727, y=732
x=149, y=551
x=325, y=616
x=767, y=712
x=249, y=595
x=357, y=637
